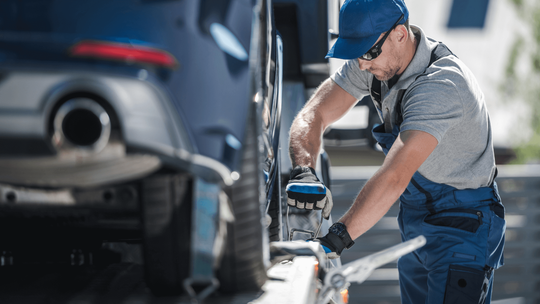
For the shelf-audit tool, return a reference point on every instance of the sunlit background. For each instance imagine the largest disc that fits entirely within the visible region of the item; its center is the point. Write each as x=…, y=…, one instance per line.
x=496, y=40
x=499, y=41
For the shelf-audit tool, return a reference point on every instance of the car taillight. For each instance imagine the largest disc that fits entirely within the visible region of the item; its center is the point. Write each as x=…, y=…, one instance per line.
x=123, y=52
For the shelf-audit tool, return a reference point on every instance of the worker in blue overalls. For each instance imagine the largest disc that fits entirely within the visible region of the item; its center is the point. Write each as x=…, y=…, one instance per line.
x=439, y=163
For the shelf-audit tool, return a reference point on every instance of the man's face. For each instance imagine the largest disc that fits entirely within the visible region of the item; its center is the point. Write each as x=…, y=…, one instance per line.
x=386, y=65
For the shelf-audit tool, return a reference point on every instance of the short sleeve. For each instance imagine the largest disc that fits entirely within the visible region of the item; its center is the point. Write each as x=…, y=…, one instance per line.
x=353, y=80
x=432, y=106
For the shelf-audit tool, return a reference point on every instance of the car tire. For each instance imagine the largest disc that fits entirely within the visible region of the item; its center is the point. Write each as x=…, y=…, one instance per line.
x=166, y=222
x=242, y=267
x=275, y=207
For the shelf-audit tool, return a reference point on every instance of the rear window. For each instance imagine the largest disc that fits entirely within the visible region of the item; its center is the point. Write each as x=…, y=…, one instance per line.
x=135, y=19
x=25, y=15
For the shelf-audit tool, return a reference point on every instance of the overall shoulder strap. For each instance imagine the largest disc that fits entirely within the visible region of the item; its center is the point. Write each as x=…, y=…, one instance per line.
x=376, y=91
x=440, y=51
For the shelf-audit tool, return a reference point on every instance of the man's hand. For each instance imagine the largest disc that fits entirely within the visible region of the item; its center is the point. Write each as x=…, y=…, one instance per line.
x=336, y=240
x=305, y=191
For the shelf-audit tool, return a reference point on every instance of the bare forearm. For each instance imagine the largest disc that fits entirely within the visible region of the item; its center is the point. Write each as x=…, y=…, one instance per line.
x=305, y=141
x=327, y=105
x=409, y=151
x=372, y=203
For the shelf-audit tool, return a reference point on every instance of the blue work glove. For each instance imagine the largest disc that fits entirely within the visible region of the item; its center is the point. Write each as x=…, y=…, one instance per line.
x=305, y=191
x=336, y=240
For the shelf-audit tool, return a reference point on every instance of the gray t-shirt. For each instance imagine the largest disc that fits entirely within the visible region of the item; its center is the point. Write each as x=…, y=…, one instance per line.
x=446, y=102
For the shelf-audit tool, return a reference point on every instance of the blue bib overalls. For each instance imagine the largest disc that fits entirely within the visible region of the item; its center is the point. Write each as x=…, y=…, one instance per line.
x=465, y=238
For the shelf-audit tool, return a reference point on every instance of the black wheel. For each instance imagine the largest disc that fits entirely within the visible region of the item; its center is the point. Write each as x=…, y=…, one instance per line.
x=274, y=206
x=242, y=267
x=166, y=219
x=243, y=264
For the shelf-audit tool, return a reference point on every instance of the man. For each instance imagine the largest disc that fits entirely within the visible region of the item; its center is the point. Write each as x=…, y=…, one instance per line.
x=439, y=160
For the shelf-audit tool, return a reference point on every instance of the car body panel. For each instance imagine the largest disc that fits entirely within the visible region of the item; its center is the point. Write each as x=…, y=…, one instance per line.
x=201, y=91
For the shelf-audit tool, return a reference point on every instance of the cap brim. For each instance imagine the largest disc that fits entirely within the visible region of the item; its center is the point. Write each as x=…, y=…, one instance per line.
x=351, y=48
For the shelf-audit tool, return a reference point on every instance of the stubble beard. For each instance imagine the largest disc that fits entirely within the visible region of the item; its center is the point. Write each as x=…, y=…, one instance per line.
x=386, y=74
x=390, y=72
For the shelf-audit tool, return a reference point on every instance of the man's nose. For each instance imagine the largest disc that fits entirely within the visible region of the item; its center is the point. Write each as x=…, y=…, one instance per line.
x=364, y=64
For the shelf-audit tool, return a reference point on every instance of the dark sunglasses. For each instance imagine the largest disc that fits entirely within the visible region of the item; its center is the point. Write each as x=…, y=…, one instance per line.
x=376, y=50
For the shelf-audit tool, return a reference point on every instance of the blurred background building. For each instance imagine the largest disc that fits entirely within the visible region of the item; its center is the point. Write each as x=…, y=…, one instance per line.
x=498, y=41
x=482, y=34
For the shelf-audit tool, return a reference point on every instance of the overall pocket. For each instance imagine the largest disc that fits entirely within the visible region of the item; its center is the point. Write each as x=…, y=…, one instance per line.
x=463, y=219
x=496, y=237
x=467, y=285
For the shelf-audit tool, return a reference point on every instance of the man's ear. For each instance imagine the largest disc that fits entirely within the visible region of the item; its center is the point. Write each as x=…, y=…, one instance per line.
x=401, y=33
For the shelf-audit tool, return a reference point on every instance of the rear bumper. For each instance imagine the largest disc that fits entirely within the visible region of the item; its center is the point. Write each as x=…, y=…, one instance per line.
x=150, y=133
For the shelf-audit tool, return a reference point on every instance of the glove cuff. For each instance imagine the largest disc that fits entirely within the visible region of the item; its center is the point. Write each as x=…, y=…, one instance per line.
x=340, y=230
x=301, y=169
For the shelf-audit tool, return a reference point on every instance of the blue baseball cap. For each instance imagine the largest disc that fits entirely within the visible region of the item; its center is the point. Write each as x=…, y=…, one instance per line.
x=361, y=22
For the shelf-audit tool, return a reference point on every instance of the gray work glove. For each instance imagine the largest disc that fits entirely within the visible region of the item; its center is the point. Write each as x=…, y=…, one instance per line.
x=305, y=191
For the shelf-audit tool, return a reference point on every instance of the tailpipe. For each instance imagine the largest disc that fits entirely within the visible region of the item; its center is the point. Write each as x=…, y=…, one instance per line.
x=81, y=124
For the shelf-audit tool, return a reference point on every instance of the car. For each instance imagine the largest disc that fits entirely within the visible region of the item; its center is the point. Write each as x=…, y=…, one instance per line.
x=144, y=122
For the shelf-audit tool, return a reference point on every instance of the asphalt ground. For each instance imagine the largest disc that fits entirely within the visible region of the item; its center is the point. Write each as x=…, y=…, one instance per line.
x=120, y=283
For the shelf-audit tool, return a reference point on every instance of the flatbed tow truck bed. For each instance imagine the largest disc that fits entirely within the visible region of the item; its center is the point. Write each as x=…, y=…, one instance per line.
x=301, y=274
x=305, y=275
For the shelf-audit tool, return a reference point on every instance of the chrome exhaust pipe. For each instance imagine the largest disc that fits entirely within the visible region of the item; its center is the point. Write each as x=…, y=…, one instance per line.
x=82, y=125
